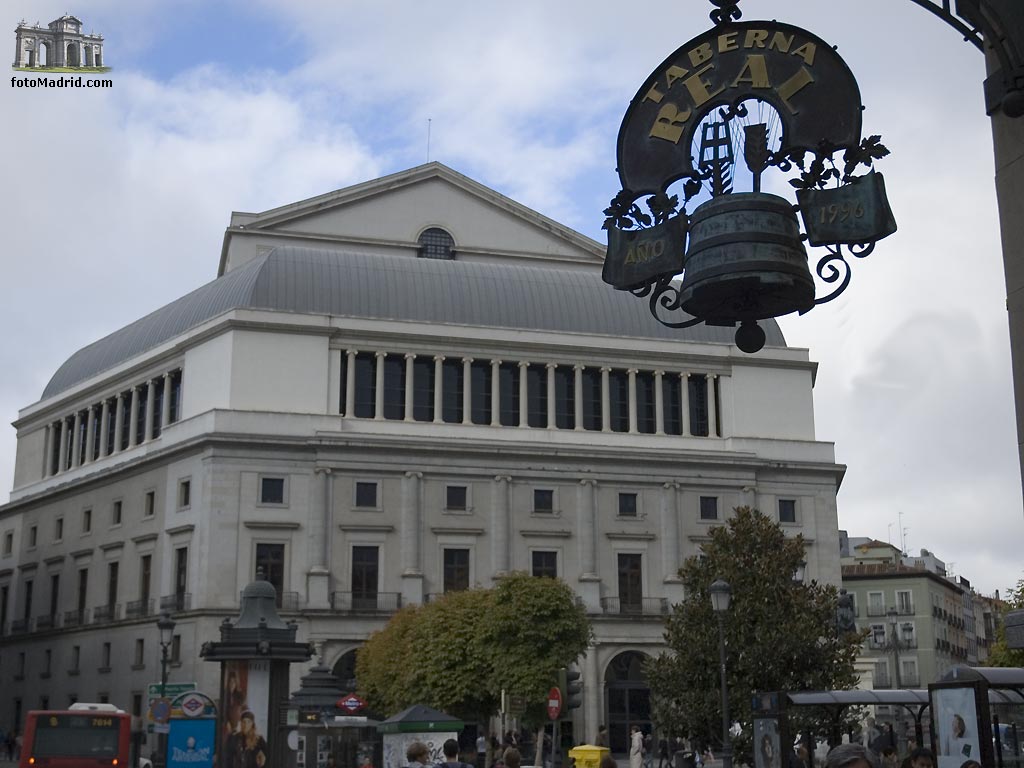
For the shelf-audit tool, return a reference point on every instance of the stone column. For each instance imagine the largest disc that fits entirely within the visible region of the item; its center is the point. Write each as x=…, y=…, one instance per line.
x=592, y=694
x=670, y=531
x=65, y=444
x=90, y=431
x=133, y=418
x=410, y=384
x=495, y=393
x=47, y=450
x=712, y=407
x=350, y=383
x=411, y=538
x=551, y=394
x=684, y=402
x=500, y=525
x=321, y=531
x=467, y=390
x=118, y=421
x=631, y=400
x=606, y=408
x=524, y=402
x=378, y=399
x=577, y=389
x=150, y=410
x=589, y=581
x=105, y=425
x=165, y=403
x=76, y=441
x=438, y=387
x=659, y=404
x=334, y=382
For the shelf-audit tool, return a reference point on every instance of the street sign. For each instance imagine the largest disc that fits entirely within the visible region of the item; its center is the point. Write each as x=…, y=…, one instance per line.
x=554, y=703
x=350, y=703
x=170, y=690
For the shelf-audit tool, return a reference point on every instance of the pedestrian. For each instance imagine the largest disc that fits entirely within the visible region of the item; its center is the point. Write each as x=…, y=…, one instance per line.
x=663, y=756
x=481, y=751
x=417, y=755
x=922, y=757
x=636, y=747
x=648, y=753
x=451, y=756
x=852, y=755
x=511, y=758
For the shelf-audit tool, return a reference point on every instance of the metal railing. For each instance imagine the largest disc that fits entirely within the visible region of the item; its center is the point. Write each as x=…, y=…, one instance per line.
x=76, y=618
x=19, y=625
x=905, y=610
x=102, y=614
x=355, y=602
x=645, y=606
x=46, y=621
x=285, y=601
x=138, y=609
x=180, y=601
x=876, y=610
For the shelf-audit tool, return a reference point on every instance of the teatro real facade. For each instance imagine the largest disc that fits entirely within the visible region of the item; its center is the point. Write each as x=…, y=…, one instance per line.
x=390, y=391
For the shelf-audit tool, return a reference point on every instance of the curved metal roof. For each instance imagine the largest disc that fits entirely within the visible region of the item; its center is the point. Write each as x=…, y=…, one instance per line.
x=313, y=281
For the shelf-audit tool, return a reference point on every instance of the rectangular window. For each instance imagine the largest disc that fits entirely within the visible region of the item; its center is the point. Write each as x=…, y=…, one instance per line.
x=565, y=397
x=708, y=507
x=631, y=596
x=111, y=425
x=787, y=510
x=21, y=665
x=140, y=652
x=618, y=401
x=592, y=399
x=672, y=407
x=627, y=505
x=365, y=575
x=86, y=520
x=456, y=570
x=137, y=704
x=176, y=391
x=184, y=494
x=4, y=597
x=876, y=604
x=270, y=558
x=8, y=542
x=33, y=533
x=47, y=662
x=145, y=579
x=28, y=600
x=455, y=497
x=58, y=529
x=451, y=391
x=394, y=387
x=115, y=513
x=698, y=405
x=543, y=501
x=423, y=389
x=537, y=396
x=112, y=573
x=905, y=602
x=96, y=432
x=54, y=595
x=76, y=657
x=366, y=495
x=180, y=573
x=508, y=394
x=176, y=649
x=480, y=392
x=544, y=564
x=271, y=490
x=105, y=658
x=343, y=378
x=149, y=504
x=83, y=590
x=126, y=419
x=158, y=406
x=645, y=405
x=366, y=385
x=140, y=420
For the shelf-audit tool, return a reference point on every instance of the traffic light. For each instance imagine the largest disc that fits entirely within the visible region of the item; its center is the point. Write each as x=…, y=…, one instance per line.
x=573, y=688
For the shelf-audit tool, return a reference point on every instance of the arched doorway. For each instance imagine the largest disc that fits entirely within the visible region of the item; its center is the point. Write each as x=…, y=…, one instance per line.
x=628, y=697
x=71, y=59
x=345, y=671
x=43, y=57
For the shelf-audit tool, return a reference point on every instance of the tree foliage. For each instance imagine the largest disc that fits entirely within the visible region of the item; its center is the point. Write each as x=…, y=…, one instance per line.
x=459, y=652
x=780, y=635
x=1000, y=655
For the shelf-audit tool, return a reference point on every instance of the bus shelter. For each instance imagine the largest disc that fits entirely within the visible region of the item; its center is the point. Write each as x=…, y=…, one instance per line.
x=978, y=715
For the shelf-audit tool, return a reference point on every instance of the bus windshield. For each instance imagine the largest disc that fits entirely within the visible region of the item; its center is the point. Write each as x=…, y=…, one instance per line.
x=76, y=736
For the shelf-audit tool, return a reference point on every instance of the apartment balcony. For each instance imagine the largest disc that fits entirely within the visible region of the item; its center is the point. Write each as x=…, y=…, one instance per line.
x=645, y=606
x=76, y=618
x=103, y=614
x=357, y=602
x=19, y=626
x=176, y=603
x=876, y=610
x=46, y=621
x=905, y=610
x=138, y=609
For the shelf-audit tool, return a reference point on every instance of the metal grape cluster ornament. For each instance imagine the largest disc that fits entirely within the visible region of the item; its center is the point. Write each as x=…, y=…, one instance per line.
x=780, y=99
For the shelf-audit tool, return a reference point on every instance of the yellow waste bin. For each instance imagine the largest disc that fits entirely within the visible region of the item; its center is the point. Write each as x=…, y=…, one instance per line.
x=587, y=755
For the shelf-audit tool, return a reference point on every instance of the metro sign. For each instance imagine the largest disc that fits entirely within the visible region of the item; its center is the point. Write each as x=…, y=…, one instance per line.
x=350, y=703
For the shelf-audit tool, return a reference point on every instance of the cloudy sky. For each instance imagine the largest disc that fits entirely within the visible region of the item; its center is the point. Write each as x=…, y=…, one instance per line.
x=114, y=201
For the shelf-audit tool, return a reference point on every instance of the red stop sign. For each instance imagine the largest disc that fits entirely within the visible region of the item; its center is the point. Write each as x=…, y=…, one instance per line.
x=554, y=703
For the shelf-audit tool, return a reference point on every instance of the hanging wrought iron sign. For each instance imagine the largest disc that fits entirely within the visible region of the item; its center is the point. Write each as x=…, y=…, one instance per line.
x=781, y=99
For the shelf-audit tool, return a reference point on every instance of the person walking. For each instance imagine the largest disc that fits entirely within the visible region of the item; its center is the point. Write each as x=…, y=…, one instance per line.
x=481, y=751
x=636, y=747
x=663, y=756
x=451, y=756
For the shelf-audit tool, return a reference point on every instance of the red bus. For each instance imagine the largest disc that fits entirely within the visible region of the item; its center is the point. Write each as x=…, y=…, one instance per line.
x=85, y=736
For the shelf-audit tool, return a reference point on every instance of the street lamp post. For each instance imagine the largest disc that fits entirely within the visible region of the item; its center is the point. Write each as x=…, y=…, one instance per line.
x=721, y=593
x=165, y=624
x=894, y=641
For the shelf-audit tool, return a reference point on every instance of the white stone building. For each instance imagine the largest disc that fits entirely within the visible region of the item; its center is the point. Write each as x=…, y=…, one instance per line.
x=396, y=389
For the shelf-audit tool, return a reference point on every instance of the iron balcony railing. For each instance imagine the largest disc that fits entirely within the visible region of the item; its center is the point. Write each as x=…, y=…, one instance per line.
x=645, y=606
x=46, y=621
x=905, y=610
x=876, y=610
x=180, y=601
x=76, y=618
x=19, y=625
x=102, y=614
x=138, y=609
x=285, y=601
x=356, y=602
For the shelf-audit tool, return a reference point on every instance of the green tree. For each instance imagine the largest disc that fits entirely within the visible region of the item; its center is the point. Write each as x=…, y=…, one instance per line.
x=459, y=652
x=1001, y=655
x=780, y=635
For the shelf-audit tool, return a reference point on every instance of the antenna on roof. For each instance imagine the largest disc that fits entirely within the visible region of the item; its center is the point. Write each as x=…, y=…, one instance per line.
x=428, y=139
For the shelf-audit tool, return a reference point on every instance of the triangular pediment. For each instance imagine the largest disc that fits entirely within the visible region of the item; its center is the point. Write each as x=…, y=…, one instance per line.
x=392, y=212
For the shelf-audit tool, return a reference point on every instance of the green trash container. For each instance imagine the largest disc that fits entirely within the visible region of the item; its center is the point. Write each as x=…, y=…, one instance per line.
x=587, y=755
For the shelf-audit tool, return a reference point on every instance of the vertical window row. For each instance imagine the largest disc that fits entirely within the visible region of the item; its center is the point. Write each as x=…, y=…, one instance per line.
x=516, y=394
x=115, y=424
